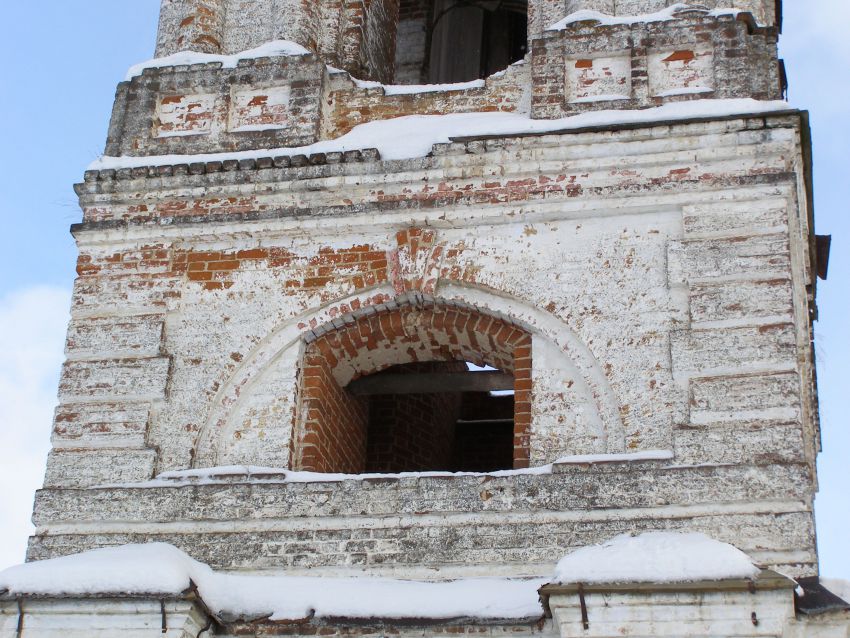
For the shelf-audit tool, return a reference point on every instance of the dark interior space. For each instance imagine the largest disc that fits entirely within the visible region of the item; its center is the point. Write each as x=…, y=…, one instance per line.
x=445, y=41
x=471, y=39
x=435, y=417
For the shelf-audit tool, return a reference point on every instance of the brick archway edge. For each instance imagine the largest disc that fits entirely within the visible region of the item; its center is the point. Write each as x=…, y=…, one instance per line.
x=294, y=333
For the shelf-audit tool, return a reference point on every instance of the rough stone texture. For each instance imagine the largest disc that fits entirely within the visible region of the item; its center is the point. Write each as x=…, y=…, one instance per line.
x=358, y=35
x=190, y=25
x=292, y=101
x=142, y=617
x=348, y=105
x=767, y=12
x=626, y=254
x=470, y=526
x=411, y=40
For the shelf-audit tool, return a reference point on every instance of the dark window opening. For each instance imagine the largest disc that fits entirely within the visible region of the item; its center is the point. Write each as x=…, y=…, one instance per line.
x=438, y=416
x=445, y=41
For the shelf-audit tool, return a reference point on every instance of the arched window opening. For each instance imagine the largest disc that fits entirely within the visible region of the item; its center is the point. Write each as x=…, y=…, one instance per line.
x=445, y=41
x=415, y=389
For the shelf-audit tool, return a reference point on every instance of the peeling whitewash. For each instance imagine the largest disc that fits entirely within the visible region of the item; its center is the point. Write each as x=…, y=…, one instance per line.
x=636, y=255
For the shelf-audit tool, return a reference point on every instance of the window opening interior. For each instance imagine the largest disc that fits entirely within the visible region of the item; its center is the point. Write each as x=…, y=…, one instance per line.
x=391, y=391
x=438, y=416
x=445, y=41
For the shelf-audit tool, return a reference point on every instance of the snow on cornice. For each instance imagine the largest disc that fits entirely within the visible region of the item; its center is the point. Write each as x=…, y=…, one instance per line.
x=255, y=474
x=655, y=557
x=659, y=16
x=275, y=48
x=159, y=569
x=415, y=135
x=408, y=89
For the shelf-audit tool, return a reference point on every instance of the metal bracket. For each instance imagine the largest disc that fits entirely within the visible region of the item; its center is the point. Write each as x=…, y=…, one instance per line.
x=585, y=621
x=20, y=629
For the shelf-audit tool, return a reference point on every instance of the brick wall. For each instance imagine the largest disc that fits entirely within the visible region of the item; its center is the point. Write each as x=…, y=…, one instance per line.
x=331, y=436
x=265, y=102
x=194, y=25
x=412, y=432
x=659, y=276
x=378, y=41
x=349, y=105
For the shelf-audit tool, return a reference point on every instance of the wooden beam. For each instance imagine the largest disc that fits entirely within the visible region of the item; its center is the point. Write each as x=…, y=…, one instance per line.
x=431, y=382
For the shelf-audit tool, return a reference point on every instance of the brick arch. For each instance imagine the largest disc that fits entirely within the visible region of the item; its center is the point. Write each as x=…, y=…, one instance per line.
x=331, y=423
x=262, y=388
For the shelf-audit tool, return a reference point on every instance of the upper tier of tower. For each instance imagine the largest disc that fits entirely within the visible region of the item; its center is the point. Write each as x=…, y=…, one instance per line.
x=373, y=38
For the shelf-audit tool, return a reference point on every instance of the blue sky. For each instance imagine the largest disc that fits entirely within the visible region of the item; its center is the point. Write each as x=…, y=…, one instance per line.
x=62, y=61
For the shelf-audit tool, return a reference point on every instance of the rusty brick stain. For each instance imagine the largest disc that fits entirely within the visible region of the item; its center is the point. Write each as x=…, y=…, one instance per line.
x=684, y=56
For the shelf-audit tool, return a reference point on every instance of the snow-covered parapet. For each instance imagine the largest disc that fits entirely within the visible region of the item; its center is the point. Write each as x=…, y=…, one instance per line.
x=655, y=557
x=158, y=569
x=275, y=48
x=415, y=135
x=664, y=15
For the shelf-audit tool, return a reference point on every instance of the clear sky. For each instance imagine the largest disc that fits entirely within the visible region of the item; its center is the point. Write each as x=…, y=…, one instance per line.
x=61, y=62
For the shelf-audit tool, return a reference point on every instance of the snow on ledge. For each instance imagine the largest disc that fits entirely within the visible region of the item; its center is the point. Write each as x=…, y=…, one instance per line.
x=408, y=89
x=659, y=16
x=414, y=135
x=274, y=48
x=163, y=570
x=590, y=459
x=231, y=473
x=655, y=557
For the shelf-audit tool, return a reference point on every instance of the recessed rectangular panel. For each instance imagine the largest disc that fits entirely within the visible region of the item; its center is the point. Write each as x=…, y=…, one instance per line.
x=681, y=71
x=181, y=115
x=259, y=109
x=597, y=79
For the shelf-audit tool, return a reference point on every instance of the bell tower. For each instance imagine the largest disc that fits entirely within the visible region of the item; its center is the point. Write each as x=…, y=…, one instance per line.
x=385, y=306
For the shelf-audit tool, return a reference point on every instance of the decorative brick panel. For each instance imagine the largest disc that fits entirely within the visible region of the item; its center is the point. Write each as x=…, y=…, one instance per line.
x=256, y=109
x=180, y=115
x=681, y=72
x=607, y=77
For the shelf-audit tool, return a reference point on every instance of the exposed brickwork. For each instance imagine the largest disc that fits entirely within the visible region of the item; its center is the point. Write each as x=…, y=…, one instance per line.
x=358, y=266
x=412, y=432
x=648, y=287
x=410, y=334
x=350, y=105
x=332, y=437
x=411, y=40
